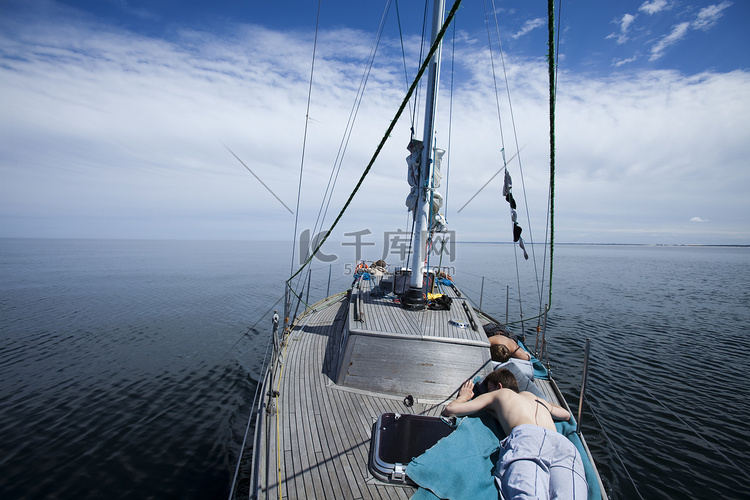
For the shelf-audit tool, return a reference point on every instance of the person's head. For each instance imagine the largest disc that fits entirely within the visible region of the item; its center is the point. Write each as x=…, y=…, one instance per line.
x=500, y=379
x=499, y=353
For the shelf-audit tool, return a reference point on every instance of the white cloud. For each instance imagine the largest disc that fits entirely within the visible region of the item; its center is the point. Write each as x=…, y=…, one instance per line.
x=633, y=149
x=654, y=6
x=706, y=19
x=621, y=62
x=625, y=22
x=134, y=11
x=678, y=33
x=698, y=219
x=529, y=26
x=108, y=134
x=709, y=16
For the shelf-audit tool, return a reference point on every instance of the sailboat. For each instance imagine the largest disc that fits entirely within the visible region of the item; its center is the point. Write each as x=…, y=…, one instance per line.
x=350, y=404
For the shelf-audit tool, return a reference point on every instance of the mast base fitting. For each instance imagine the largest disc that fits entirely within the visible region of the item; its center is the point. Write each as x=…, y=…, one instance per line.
x=413, y=299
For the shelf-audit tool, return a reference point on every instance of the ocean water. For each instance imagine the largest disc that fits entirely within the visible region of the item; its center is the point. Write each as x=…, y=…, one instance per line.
x=128, y=368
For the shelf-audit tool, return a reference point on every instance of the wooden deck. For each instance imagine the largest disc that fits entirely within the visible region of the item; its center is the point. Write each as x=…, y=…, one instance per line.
x=384, y=314
x=313, y=438
x=323, y=440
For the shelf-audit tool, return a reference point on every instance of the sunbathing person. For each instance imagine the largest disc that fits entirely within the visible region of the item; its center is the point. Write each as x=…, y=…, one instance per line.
x=513, y=347
x=536, y=461
x=499, y=353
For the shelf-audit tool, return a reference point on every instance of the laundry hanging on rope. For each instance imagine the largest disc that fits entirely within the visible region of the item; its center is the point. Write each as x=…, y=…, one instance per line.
x=508, y=193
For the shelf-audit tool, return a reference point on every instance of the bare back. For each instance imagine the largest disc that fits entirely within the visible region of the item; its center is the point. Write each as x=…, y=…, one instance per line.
x=512, y=345
x=518, y=408
x=510, y=408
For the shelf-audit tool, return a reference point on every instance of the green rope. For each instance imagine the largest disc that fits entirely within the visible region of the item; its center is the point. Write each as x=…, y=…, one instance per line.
x=404, y=103
x=551, y=62
x=299, y=298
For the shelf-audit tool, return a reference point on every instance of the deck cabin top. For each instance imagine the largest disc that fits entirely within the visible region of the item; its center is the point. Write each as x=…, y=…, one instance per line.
x=391, y=350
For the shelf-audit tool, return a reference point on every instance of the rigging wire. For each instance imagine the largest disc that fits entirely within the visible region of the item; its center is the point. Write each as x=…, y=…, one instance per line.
x=304, y=147
x=518, y=149
x=386, y=135
x=488, y=181
x=251, y=328
x=258, y=386
x=338, y=162
x=450, y=123
x=278, y=411
x=431, y=166
x=403, y=58
x=494, y=81
x=414, y=121
x=450, y=134
x=349, y=129
x=258, y=178
x=688, y=426
x=411, y=239
x=343, y=146
x=502, y=136
x=611, y=362
x=304, y=136
x=617, y=453
x=336, y=169
x=415, y=116
x=412, y=113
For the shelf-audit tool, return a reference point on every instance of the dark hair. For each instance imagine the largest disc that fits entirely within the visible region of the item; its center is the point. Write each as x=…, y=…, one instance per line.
x=499, y=353
x=503, y=377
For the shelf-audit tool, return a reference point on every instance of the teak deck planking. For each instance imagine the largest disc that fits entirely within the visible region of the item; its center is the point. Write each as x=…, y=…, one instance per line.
x=326, y=429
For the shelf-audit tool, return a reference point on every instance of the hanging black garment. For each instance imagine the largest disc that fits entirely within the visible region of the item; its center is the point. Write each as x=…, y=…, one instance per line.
x=516, y=232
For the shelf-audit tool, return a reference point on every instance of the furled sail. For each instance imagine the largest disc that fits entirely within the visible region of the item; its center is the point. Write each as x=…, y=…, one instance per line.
x=439, y=224
x=414, y=161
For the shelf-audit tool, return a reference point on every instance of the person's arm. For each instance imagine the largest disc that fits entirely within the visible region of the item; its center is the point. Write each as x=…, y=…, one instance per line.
x=557, y=411
x=519, y=353
x=464, y=404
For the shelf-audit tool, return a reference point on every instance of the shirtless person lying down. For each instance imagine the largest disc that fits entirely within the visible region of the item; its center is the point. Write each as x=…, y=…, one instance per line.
x=536, y=461
x=511, y=345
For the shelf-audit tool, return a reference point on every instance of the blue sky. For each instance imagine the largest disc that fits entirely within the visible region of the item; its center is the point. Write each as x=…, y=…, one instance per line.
x=116, y=118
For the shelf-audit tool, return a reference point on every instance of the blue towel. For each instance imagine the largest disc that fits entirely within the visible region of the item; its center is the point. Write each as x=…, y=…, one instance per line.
x=460, y=465
x=568, y=429
x=539, y=370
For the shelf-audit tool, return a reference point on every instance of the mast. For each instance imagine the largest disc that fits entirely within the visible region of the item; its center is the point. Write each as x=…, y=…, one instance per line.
x=414, y=298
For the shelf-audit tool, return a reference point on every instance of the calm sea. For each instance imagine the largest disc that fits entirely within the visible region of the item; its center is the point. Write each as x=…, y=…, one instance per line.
x=128, y=368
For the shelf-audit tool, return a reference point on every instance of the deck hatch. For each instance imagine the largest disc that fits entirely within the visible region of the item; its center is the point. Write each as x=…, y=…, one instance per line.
x=397, y=439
